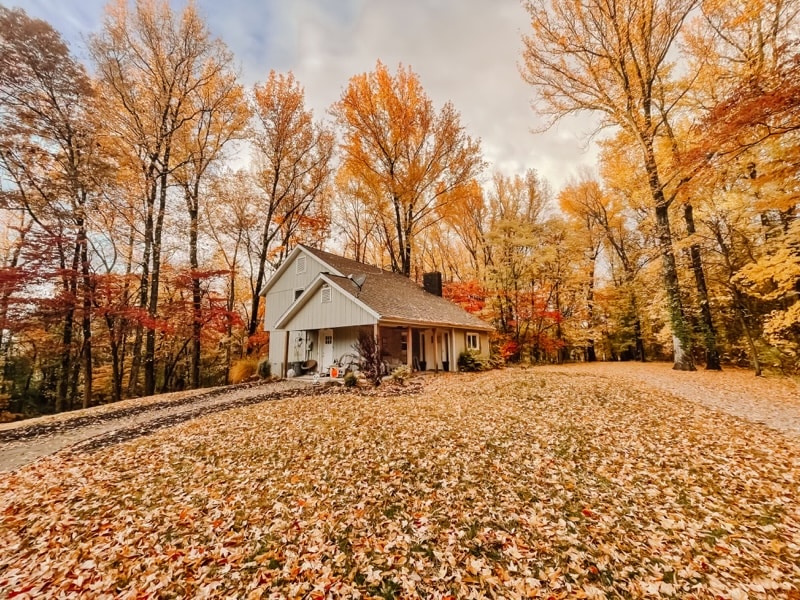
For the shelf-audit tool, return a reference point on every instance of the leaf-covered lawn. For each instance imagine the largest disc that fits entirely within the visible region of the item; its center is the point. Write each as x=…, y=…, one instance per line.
x=510, y=484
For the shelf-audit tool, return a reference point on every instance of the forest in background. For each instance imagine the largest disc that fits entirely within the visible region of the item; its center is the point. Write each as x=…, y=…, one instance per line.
x=132, y=251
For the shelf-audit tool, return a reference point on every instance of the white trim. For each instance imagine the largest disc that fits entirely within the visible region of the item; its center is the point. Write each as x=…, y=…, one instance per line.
x=395, y=322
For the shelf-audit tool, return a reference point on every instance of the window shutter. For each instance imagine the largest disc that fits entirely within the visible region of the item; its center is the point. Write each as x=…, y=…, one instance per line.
x=300, y=265
x=326, y=293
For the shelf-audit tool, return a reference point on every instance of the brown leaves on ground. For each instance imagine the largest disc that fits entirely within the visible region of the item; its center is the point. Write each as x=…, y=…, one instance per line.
x=509, y=484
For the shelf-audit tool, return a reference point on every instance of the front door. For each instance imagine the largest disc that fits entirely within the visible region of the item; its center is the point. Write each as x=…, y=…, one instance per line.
x=326, y=349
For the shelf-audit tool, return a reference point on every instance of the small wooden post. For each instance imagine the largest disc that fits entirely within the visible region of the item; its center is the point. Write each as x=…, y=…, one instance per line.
x=435, y=352
x=409, y=354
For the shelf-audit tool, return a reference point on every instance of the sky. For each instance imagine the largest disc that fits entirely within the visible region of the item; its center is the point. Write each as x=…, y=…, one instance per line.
x=464, y=51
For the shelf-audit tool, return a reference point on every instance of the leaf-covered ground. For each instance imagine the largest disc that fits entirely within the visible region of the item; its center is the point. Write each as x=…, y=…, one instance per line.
x=510, y=484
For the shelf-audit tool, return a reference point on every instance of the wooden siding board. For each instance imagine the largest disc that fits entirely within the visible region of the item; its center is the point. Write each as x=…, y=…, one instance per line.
x=341, y=311
x=281, y=294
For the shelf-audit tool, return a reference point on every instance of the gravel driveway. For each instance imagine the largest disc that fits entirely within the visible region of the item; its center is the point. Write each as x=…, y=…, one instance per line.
x=771, y=400
x=95, y=428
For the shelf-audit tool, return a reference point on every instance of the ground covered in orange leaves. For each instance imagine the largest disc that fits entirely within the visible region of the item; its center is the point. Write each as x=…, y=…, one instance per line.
x=509, y=484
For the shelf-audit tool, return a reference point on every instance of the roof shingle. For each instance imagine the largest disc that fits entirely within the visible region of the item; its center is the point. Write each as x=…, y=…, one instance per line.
x=395, y=297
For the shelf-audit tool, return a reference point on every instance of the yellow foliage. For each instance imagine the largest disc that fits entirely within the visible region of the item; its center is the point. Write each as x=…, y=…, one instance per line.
x=243, y=369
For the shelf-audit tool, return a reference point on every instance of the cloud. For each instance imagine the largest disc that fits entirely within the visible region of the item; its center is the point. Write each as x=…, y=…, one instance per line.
x=464, y=51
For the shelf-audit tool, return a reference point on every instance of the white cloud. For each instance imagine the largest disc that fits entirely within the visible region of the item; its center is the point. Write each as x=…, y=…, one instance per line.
x=465, y=52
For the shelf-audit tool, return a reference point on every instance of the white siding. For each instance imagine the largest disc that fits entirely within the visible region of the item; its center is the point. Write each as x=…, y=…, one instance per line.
x=277, y=343
x=343, y=340
x=341, y=311
x=281, y=295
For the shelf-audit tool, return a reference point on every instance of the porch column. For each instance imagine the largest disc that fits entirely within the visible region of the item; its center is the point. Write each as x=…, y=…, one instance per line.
x=285, y=369
x=435, y=352
x=376, y=333
x=409, y=346
x=452, y=351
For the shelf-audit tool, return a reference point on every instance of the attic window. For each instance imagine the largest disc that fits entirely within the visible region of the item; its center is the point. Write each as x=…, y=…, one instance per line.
x=326, y=293
x=300, y=265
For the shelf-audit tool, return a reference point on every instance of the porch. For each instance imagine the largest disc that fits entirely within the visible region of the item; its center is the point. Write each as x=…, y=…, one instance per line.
x=317, y=350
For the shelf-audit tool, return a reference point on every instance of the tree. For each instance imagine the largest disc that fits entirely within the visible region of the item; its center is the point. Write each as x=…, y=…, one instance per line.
x=48, y=149
x=292, y=168
x=153, y=67
x=613, y=58
x=220, y=116
x=232, y=222
x=409, y=159
x=578, y=201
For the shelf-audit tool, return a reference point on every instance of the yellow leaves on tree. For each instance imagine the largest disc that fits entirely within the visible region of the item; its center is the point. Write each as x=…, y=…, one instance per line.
x=406, y=155
x=292, y=169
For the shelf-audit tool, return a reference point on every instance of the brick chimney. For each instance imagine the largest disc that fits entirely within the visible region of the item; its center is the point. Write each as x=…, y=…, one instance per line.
x=432, y=283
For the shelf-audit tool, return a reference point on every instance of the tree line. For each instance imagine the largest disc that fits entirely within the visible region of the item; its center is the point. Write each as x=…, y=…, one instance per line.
x=133, y=253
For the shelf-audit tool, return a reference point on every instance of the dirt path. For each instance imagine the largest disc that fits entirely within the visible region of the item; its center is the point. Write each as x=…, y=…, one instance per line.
x=773, y=401
x=92, y=429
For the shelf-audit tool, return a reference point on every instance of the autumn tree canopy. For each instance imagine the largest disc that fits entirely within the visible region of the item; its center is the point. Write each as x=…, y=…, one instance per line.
x=408, y=157
x=147, y=196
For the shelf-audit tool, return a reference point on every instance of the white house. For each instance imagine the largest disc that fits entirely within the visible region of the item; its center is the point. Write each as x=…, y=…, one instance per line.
x=317, y=303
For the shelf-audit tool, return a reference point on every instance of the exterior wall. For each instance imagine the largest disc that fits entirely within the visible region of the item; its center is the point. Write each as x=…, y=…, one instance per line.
x=341, y=311
x=485, y=348
x=343, y=340
x=279, y=298
x=281, y=294
x=277, y=342
x=461, y=342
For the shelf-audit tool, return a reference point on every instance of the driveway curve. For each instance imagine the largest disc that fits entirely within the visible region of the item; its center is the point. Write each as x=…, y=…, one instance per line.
x=95, y=428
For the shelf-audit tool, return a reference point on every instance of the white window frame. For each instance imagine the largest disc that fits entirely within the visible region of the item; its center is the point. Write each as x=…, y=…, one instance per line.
x=472, y=336
x=326, y=294
x=300, y=265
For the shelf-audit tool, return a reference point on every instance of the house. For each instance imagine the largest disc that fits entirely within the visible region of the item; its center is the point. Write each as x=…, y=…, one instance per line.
x=317, y=303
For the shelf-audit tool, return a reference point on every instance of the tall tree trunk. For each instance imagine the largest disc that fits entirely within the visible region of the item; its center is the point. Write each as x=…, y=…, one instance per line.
x=262, y=264
x=709, y=331
x=591, y=355
x=681, y=340
x=63, y=400
x=680, y=331
x=144, y=285
x=738, y=301
x=155, y=280
x=87, y=314
x=637, y=330
x=192, y=200
x=5, y=297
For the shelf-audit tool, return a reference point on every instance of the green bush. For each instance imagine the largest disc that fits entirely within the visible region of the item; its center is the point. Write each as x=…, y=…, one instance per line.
x=471, y=361
x=264, y=368
x=350, y=379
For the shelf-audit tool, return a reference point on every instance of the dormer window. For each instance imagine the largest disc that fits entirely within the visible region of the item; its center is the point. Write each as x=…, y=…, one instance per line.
x=326, y=293
x=300, y=265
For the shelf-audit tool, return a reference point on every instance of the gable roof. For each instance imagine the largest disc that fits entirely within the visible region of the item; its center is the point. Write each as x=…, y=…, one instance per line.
x=395, y=299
